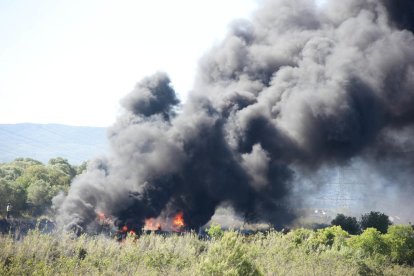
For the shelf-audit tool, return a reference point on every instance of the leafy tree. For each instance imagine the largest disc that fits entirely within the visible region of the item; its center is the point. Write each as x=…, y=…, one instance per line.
x=30, y=185
x=81, y=168
x=43, y=183
x=18, y=197
x=25, y=162
x=5, y=195
x=39, y=196
x=33, y=173
x=10, y=172
x=376, y=220
x=349, y=224
x=63, y=165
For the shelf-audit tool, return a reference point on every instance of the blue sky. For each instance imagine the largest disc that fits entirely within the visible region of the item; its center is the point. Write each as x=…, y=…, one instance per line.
x=72, y=61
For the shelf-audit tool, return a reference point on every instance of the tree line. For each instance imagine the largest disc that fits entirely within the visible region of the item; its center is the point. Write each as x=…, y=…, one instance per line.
x=377, y=220
x=29, y=185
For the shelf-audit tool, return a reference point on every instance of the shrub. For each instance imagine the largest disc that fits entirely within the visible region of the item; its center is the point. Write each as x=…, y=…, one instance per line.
x=299, y=236
x=229, y=256
x=400, y=239
x=215, y=231
x=371, y=243
x=327, y=237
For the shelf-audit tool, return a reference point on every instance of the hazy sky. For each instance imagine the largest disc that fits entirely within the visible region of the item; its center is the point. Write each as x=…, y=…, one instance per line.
x=72, y=61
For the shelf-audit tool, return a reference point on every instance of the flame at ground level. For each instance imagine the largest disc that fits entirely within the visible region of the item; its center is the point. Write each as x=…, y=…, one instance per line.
x=152, y=224
x=178, y=220
x=175, y=224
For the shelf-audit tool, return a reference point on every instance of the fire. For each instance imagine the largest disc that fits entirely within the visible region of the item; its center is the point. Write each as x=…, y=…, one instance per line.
x=175, y=223
x=108, y=226
x=178, y=220
x=152, y=224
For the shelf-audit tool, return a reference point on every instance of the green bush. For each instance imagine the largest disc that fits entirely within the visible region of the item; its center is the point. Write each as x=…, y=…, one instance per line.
x=229, y=256
x=299, y=236
x=321, y=239
x=370, y=243
x=215, y=231
x=328, y=238
x=400, y=239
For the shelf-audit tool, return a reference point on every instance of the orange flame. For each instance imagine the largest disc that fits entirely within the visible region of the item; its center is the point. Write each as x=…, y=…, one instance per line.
x=178, y=221
x=152, y=224
x=173, y=224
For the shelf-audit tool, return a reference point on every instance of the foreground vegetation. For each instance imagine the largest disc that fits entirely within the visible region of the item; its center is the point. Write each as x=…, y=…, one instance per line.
x=329, y=251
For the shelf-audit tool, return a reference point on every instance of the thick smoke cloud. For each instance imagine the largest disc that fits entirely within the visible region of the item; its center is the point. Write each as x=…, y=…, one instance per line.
x=152, y=96
x=294, y=89
x=401, y=12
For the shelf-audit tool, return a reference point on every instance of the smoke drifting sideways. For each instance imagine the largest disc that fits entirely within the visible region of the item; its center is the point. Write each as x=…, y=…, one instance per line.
x=295, y=89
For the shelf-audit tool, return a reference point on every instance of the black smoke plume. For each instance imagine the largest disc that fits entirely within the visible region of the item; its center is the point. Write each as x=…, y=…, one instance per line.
x=295, y=88
x=401, y=13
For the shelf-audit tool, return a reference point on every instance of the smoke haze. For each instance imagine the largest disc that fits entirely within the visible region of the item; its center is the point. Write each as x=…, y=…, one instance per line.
x=296, y=89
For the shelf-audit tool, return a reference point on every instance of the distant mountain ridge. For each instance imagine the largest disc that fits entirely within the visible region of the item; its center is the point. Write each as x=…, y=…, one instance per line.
x=45, y=141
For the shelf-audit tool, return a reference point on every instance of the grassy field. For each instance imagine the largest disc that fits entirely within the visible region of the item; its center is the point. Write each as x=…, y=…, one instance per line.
x=301, y=252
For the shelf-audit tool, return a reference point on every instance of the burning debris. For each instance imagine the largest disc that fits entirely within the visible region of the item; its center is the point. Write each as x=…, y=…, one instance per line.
x=164, y=224
x=295, y=88
x=174, y=224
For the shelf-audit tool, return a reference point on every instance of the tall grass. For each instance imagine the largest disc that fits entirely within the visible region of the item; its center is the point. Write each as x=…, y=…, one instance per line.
x=301, y=252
